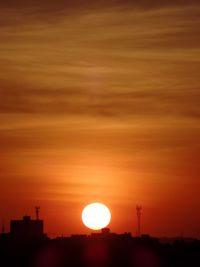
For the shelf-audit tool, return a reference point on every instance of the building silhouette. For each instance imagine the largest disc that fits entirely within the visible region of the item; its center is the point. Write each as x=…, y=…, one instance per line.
x=27, y=228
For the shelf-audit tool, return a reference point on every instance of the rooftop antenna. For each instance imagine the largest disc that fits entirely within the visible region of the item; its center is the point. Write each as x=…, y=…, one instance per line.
x=139, y=212
x=37, y=210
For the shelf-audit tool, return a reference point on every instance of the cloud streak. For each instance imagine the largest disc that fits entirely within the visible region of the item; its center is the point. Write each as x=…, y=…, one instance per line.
x=143, y=63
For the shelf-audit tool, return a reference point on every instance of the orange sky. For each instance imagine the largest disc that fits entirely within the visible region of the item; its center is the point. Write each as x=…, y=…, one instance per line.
x=100, y=102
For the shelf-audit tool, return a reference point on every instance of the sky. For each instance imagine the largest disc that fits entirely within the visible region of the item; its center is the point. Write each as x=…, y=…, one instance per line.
x=99, y=101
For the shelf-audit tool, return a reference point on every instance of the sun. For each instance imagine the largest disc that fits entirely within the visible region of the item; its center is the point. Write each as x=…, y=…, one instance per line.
x=96, y=216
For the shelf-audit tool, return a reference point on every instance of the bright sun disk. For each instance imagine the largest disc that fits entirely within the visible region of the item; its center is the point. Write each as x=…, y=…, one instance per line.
x=96, y=216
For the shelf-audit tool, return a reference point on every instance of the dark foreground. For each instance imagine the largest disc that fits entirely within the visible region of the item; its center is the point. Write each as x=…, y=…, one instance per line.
x=98, y=251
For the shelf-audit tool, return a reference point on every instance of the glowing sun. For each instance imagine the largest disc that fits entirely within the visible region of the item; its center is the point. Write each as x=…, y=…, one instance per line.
x=96, y=216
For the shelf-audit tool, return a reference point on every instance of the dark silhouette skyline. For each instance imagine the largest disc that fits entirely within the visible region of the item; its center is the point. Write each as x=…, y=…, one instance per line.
x=27, y=246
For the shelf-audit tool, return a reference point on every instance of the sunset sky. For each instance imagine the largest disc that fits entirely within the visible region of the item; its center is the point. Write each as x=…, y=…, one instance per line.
x=100, y=101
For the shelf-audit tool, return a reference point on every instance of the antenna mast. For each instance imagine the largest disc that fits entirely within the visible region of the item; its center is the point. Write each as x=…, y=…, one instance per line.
x=37, y=210
x=139, y=212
